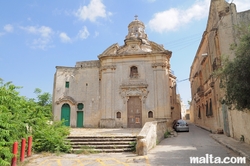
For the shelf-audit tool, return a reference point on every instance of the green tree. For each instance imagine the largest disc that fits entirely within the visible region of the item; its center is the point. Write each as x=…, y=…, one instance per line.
x=44, y=100
x=235, y=74
x=21, y=117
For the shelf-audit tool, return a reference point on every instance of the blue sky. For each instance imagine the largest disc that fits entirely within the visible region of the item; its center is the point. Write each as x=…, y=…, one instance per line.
x=36, y=36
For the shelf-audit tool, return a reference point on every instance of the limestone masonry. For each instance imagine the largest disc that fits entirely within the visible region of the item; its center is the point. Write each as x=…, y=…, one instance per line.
x=128, y=86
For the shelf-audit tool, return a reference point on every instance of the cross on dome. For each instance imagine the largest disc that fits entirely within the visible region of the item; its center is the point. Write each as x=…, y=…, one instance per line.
x=136, y=29
x=136, y=16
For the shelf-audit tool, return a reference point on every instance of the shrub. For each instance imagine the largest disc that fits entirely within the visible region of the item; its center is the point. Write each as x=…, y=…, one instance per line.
x=21, y=117
x=167, y=134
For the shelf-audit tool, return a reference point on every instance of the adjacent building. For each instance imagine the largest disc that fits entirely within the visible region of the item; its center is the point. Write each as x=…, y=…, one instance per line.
x=206, y=106
x=127, y=86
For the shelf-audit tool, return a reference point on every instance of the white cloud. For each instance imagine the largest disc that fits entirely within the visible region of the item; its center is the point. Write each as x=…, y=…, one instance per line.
x=64, y=37
x=8, y=28
x=242, y=5
x=96, y=34
x=92, y=11
x=173, y=18
x=43, y=31
x=84, y=33
x=45, y=36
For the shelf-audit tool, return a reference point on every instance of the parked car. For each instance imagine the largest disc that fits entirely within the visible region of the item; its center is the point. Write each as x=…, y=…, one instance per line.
x=174, y=122
x=180, y=125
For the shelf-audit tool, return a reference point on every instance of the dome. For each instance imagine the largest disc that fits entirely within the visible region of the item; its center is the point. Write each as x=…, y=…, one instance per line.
x=136, y=29
x=135, y=23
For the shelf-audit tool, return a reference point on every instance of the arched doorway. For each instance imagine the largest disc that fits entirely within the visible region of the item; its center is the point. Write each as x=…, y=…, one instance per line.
x=65, y=114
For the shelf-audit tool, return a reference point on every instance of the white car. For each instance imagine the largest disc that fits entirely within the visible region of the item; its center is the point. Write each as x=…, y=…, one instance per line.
x=181, y=125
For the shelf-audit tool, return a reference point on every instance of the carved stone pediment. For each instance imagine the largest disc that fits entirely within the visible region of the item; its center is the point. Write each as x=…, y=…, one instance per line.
x=134, y=89
x=135, y=46
x=156, y=47
x=111, y=50
x=66, y=99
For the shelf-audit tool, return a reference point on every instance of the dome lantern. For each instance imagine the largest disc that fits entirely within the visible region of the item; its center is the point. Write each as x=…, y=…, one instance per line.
x=136, y=29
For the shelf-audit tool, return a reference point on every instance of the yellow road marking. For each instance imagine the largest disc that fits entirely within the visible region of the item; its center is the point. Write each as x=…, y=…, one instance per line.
x=79, y=163
x=120, y=162
x=42, y=163
x=147, y=161
x=59, y=162
x=100, y=161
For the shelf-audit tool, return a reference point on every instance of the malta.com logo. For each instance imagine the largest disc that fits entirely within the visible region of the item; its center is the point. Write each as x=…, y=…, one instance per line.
x=210, y=159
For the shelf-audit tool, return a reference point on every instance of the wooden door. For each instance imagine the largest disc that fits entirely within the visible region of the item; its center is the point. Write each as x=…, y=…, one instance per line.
x=134, y=112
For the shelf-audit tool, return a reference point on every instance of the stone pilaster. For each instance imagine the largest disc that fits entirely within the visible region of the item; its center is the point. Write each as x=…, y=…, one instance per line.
x=107, y=96
x=161, y=90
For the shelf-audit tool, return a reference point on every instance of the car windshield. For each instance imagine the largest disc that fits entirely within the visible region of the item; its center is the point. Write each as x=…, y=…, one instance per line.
x=182, y=122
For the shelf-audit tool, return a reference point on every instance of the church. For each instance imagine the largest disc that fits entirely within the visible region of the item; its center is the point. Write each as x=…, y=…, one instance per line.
x=126, y=87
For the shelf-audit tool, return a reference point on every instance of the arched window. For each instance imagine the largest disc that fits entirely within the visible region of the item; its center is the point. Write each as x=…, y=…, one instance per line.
x=150, y=114
x=118, y=115
x=133, y=72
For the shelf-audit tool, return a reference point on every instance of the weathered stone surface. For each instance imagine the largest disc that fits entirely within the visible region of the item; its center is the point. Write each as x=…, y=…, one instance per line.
x=206, y=109
x=140, y=68
x=141, y=147
x=151, y=134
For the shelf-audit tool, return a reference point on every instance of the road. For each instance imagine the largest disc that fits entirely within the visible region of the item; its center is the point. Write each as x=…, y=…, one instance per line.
x=195, y=143
x=174, y=151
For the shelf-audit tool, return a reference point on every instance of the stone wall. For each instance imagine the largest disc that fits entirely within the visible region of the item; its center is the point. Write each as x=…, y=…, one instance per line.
x=107, y=123
x=221, y=31
x=151, y=134
x=83, y=88
x=239, y=125
x=138, y=69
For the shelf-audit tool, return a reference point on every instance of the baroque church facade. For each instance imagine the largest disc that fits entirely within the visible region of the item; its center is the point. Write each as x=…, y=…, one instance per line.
x=128, y=86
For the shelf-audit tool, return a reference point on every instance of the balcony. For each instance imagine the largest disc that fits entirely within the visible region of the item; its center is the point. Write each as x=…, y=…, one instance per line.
x=200, y=91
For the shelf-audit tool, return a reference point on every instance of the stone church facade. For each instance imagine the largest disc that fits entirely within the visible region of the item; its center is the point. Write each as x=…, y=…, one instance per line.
x=128, y=86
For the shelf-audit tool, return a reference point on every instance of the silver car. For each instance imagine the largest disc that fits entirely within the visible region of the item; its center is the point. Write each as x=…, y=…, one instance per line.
x=181, y=125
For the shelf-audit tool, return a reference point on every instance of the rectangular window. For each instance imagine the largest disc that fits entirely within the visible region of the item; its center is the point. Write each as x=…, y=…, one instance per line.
x=199, y=113
x=137, y=120
x=207, y=109
x=67, y=84
x=211, y=108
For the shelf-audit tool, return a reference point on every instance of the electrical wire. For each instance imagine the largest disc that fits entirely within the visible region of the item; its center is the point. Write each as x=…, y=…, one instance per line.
x=182, y=80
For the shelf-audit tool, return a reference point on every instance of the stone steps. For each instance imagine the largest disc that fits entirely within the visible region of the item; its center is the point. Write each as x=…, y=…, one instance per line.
x=106, y=144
